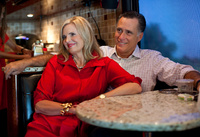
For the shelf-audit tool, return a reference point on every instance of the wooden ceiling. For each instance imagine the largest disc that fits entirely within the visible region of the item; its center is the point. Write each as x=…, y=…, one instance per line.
x=15, y=5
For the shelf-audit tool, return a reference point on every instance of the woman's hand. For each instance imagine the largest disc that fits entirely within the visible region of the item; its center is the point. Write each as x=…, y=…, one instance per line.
x=26, y=56
x=27, y=52
x=73, y=109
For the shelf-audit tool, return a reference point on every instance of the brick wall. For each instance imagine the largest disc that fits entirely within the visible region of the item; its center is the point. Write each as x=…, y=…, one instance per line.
x=50, y=15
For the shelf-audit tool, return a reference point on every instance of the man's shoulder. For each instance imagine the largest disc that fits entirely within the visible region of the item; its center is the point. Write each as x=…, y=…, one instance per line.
x=107, y=50
x=149, y=52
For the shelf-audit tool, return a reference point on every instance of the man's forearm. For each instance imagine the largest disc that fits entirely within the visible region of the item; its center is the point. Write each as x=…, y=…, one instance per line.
x=17, y=67
x=38, y=61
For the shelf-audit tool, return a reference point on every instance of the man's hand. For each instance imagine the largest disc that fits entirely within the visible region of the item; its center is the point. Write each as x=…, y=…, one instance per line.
x=14, y=68
x=198, y=87
x=17, y=67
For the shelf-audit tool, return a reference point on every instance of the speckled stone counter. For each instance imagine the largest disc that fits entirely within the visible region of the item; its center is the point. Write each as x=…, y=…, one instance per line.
x=149, y=111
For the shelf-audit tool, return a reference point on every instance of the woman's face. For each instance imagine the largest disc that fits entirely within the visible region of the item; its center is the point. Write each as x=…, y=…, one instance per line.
x=72, y=40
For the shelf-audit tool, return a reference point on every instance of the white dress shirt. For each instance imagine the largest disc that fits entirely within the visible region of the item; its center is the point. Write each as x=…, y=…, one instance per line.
x=149, y=65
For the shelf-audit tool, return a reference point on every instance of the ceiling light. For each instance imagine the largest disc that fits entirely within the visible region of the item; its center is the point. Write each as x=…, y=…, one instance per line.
x=30, y=15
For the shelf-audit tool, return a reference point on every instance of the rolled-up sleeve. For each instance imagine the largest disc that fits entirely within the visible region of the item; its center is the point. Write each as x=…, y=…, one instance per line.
x=169, y=71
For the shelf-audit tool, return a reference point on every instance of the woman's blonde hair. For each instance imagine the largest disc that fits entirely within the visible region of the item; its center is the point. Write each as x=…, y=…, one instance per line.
x=86, y=32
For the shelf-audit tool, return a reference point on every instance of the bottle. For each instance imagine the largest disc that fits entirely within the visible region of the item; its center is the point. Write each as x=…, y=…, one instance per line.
x=37, y=48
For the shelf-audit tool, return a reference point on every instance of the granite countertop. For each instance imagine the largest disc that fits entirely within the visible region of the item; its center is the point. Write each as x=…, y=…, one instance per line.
x=34, y=69
x=149, y=111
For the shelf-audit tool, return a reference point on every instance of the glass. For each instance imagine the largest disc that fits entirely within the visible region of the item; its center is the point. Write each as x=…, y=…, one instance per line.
x=185, y=85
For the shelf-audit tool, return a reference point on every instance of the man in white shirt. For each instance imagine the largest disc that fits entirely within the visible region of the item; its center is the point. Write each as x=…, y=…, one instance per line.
x=147, y=64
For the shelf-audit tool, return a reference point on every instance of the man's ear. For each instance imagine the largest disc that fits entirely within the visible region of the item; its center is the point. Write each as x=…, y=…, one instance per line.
x=140, y=36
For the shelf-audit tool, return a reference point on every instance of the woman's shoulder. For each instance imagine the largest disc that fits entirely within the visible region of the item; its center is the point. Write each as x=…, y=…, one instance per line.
x=57, y=59
x=105, y=59
x=56, y=62
x=54, y=58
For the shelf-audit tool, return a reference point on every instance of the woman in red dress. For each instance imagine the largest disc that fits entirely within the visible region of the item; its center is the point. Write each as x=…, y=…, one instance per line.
x=4, y=39
x=77, y=74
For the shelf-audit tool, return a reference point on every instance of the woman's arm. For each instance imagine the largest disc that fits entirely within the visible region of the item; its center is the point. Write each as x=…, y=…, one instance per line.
x=124, y=83
x=126, y=89
x=48, y=107
x=45, y=89
x=17, y=48
x=13, y=56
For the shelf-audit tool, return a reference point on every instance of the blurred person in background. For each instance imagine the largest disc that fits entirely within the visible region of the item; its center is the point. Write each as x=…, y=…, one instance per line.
x=4, y=39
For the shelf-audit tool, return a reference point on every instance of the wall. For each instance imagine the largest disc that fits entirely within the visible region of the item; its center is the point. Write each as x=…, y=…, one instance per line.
x=50, y=14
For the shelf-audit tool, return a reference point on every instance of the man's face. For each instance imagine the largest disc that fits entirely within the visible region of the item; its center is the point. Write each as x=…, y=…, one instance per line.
x=127, y=36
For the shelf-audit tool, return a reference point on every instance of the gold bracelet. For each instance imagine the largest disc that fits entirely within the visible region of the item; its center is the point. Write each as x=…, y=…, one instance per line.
x=62, y=112
x=66, y=107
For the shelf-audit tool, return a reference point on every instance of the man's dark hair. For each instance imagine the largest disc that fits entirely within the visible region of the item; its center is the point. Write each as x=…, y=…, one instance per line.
x=134, y=14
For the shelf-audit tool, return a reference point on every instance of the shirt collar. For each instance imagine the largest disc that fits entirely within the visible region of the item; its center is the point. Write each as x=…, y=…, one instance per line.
x=136, y=52
x=92, y=63
x=112, y=52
